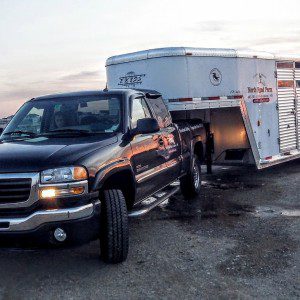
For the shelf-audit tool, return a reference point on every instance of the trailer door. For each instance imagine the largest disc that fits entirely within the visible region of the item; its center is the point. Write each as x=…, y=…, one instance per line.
x=297, y=84
x=286, y=106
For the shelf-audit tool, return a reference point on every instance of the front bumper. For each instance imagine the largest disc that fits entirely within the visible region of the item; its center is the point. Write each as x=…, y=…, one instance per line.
x=81, y=225
x=42, y=217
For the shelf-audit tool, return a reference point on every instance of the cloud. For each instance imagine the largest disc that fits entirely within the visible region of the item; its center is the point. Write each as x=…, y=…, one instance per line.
x=279, y=40
x=83, y=75
x=13, y=97
x=208, y=26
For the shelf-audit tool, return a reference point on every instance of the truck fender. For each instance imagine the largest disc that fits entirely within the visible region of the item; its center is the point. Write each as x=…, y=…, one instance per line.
x=110, y=169
x=196, y=148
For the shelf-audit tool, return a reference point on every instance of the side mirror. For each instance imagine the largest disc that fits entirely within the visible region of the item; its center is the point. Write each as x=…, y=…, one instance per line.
x=1, y=130
x=147, y=125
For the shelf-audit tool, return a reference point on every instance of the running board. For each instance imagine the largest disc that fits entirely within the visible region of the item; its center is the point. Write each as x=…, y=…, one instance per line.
x=141, y=209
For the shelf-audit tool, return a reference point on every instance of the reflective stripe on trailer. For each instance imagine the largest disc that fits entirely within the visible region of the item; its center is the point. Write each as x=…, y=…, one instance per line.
x=180, y=104
x=205, y=98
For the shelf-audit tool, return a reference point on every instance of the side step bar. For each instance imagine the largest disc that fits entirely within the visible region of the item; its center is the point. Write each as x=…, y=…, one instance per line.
x=141, y=209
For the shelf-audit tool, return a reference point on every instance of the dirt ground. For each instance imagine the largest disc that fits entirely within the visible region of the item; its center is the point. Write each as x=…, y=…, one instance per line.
x=240, y=240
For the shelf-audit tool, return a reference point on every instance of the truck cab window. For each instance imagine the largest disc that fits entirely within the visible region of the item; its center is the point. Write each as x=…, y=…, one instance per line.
x=32, y=121
x=162, y=113
x=139, y=111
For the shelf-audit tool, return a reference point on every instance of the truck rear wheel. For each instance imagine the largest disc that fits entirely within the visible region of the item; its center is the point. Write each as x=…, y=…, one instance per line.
x=114, y=235
x=190, y=184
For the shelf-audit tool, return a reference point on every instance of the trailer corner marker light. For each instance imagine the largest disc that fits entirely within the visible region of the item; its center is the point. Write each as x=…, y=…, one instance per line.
x=48, y=193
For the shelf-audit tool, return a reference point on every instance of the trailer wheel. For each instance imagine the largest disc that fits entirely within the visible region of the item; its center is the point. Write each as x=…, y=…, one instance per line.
x=190, y=184
x=114, y=232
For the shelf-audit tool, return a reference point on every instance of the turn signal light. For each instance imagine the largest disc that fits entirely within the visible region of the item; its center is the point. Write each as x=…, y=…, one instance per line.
x=80, y=173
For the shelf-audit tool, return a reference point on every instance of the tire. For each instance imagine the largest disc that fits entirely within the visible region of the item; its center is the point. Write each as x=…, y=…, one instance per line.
x=190, y=184
x=114, y=232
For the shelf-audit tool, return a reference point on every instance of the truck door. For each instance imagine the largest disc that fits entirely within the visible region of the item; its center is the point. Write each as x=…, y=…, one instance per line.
x=148, y=162
x=171, y=150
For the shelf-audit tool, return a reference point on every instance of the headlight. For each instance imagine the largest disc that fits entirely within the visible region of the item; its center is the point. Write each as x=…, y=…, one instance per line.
x=67, y=174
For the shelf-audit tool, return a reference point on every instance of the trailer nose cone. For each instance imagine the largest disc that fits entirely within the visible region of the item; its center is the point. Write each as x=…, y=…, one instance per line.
x=60, y=235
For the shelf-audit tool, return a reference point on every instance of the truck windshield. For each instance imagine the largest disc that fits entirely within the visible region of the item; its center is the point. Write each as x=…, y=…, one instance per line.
x=67, y=116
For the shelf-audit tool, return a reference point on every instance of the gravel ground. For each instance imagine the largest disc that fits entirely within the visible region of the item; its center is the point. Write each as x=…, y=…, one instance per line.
x=240, y=239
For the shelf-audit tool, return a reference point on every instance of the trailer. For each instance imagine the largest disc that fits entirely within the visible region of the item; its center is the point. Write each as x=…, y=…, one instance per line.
x=249, y=101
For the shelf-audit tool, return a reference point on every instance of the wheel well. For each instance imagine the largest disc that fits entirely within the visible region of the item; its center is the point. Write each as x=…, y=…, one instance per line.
x=198, y=150
x=123, y=181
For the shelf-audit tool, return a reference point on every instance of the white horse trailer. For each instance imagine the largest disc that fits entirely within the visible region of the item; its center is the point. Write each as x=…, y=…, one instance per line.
x=251, y=100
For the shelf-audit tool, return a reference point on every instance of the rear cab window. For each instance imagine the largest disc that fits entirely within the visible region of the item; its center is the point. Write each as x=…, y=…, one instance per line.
x=161, y=112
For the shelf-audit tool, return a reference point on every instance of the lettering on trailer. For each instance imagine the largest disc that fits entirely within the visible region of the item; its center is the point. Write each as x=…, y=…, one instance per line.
x=261, y=100
x=260, y=93
x=131, y=79
x=215, y=77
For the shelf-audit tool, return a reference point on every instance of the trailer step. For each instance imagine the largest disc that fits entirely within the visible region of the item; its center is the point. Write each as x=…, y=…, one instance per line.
x=148, y=205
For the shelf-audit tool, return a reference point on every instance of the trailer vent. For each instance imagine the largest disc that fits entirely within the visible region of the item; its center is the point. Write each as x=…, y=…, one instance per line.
x=14, y=190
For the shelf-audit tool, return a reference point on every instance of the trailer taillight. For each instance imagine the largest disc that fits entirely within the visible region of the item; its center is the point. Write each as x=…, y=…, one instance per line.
x=210, y=98
x=181, y=100
x=235, y=97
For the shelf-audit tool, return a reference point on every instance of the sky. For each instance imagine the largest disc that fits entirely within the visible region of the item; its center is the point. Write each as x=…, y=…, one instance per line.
x=51, y=46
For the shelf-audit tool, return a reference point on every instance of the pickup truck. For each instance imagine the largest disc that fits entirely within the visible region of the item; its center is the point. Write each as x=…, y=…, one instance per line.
x=75, y=166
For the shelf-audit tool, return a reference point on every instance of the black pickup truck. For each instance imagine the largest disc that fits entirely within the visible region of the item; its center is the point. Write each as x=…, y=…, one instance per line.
x=74, y=166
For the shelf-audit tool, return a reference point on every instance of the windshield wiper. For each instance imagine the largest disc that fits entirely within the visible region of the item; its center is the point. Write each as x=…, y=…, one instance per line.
x=20, y=132
x=68, y=131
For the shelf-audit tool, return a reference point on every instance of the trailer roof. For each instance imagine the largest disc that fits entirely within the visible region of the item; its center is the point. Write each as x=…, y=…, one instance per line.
x=188, y=51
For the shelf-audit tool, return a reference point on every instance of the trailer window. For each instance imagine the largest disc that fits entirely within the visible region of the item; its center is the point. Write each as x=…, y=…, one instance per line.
x=298, y=83
x=286, y=83
x=297, y=65
x=285, y=65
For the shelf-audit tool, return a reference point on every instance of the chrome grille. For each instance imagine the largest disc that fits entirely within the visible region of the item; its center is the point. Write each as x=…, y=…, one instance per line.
x=14, y=190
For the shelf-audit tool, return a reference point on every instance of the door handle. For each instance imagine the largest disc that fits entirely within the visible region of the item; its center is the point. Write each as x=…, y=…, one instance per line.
x=161, y=142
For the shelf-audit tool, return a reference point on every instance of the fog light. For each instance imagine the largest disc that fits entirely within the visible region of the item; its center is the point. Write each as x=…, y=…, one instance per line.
x=48, y=193
x=60, y=235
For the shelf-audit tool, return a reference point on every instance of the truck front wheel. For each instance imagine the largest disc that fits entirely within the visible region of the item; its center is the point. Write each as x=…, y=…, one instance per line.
x=114, y=235
x=190, y=184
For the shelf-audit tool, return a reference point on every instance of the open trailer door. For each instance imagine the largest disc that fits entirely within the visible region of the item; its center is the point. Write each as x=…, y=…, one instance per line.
x=297, y=85
x=287, y=107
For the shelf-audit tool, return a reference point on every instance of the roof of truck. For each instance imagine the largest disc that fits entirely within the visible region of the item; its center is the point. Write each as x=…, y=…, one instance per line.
x=94, y=93
x=189, y=51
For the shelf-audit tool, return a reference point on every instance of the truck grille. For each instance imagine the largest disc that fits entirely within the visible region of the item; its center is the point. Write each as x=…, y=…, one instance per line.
x=14, y=190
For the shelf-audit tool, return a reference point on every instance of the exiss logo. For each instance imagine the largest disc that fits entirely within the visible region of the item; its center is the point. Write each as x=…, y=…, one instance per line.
x=131, y=79
x=215, y=77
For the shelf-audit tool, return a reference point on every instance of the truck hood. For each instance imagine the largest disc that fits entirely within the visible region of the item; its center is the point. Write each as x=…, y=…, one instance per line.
x=42, y=153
